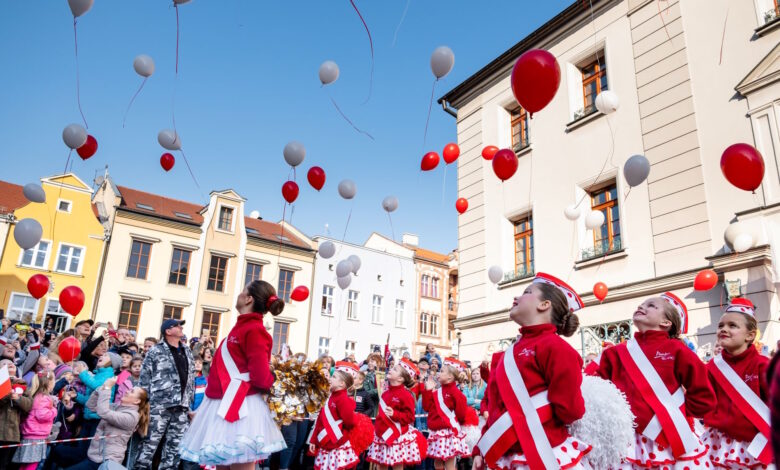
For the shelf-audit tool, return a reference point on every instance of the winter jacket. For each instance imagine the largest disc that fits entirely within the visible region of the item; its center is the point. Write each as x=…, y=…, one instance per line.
x=93, y=382
x=160, y=378
x=10, y=415
x=117, y=420
x=86, y=352
x=474, y=395
x=38, y=423
x=124, y=384
x=366, y=401
x=429, y=357
x=200, y=392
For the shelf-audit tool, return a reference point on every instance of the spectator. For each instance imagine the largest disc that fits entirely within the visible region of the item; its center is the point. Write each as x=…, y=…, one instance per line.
x=369, y=382
x=70, y=413
x=366, y=399
x=200, y=384
x=431, y=354
x=83, y=331
x=207, y=356
x=148, y=344
x=38, y=423
x=35, y=363
x=124, y=381
x=476, y=390
x=133, y=347
x=11, y=408
x=167, y=376
x=96, y=348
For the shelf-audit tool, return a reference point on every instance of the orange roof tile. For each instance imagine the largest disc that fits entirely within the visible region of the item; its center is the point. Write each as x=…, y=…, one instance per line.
x=430, y=255
x=160, y=206
x=11, y=197
x=271, y=231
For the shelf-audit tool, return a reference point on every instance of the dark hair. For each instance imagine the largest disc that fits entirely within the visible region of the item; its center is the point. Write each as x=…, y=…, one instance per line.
x=565, y=321
x=422, y=359
x=671, y=314
x=261, y=293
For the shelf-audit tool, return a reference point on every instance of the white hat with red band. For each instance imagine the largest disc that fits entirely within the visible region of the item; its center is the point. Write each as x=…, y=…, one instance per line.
x=35, y=347
x=348, y=367
x=3, y=341
x=741, y=305
x=410, y=367
x=460, y=365
x=574, y=300
x=681, y=309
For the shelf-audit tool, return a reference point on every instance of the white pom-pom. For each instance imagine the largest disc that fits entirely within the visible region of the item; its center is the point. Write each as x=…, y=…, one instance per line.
x=608, y=424
x=473, y=434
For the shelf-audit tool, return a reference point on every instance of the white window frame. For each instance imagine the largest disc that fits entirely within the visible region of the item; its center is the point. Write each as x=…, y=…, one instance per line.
x=435, y=287
x=424, y=285
x=762, y=7
x=323, y=347
x=81, y=259
x=376, y=310
x=400, y=313
x=59, y=313
x=423, y=323
x=327, y=295
x=33, y=312
x=35, y=251
x=347, y=349
x=573, y=72
x=353, y=305
x=232, y=219
x=433, y=324
x=70, y=206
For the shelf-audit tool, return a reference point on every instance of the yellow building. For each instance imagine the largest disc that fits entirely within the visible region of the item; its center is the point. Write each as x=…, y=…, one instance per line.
x=70, y=251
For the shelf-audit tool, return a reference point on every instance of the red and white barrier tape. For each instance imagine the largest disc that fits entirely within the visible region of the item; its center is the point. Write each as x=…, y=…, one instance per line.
x=47, y=442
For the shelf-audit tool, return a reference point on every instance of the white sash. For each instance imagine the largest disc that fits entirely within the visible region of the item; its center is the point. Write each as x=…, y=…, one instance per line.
x=504, y=423
x=236, y=378
x=330, y=422
x=446, y=411
x=389, y=431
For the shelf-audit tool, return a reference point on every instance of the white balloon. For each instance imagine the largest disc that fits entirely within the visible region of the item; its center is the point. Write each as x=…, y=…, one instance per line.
x=143, y=65
x=636, y=170
x=254, y=214
x=495, y=274
x=74, y=136
x=344, y=281
x=442, y=61
x=34, y=192
x=27, y=233
x=294, y=153
x=344, y=268
x=572, y=212
x=347, y=189
x=743, y=242
x=329, y=72
x=607, y=102
x=594, y=220
x=327, y=249
x=354, y=260
x=735, y=229
x=169, y=139
x=79, y=7
x=390, y=203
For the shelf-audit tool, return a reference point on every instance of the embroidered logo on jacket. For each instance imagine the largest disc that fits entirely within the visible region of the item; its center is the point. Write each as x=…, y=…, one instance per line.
x=750, y=377
x=664, y=356
x=527, y=352
x=232, y=339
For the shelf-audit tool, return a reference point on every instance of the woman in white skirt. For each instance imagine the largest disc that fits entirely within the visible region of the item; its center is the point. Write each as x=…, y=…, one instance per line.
x=234, y=427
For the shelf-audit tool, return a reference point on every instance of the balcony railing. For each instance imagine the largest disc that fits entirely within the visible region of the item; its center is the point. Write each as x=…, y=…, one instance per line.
x=604, y=248
x=521, y=272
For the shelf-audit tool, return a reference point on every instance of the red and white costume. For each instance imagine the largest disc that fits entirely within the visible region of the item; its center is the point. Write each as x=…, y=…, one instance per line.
x=532, y=394
x=666, y=385
x=738, y=431
x=334, y=450
x=592, y=369
x=447, y=409
x=396, y=440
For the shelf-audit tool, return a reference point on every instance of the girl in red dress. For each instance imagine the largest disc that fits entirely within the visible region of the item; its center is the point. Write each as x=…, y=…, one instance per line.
x=738, y=431
x=396, y=443
x=666, y=385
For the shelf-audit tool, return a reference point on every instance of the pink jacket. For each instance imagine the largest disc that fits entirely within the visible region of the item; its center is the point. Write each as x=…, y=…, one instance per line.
x=38, y=423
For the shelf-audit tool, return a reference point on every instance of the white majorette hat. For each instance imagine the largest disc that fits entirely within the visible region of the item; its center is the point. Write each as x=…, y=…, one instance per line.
x=3, y=341
x=410, y=367
x=681, y=309
x=575, y=302
x=348, y=367
x=460, y=365
x=35, y=347
x=741, y=305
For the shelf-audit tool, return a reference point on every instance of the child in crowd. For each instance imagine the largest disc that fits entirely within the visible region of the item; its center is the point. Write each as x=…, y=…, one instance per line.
x=124, y=381
x=200, y=384
x=11, y=408
x=38, y=423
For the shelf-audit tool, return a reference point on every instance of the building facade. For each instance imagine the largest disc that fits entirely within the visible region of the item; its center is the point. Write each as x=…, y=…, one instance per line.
x=685, y=95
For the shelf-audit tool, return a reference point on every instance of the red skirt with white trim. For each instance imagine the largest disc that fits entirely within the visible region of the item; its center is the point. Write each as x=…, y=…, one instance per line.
x=336, y=459
x=726, y=452
x=403, y=451
x=569, y=455
x=648, y=454
x=444, y=444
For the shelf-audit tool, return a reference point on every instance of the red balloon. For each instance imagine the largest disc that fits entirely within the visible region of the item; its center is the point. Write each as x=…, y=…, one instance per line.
x=600, y=290
x=743, y=166
x=451, y=153
x=489, y=152
x=505, y=164
x=316, y=177
x=69, y=349
x=429, y=161
x=290, y=191
x=38, y=285
x=706, y=279
x=72, y=300
x=300, y=293
x=535, y=79
x=88, y=149
x=167, y=161
x=462, y=205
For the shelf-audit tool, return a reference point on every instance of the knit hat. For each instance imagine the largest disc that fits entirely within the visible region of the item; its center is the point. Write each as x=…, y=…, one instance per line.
x=30, y=361
x=682, y=310
x=741, y=305
x=116, y=360
x=574, y=300
x=61, y=370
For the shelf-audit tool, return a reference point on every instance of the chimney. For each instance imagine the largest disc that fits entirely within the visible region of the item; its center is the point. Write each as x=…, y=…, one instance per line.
x=410, y=239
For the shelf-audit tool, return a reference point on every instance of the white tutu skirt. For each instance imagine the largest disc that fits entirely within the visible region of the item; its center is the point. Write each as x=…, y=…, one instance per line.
x=444, y=444
x=569, y=454
x=646, y=453
x=726, y=452
x=336, y=459
x=211, y=440
x=403, y=450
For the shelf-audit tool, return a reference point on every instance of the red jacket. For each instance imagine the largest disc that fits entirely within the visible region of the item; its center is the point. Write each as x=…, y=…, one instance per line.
x=403, y=404
x=453, y=399
x=546, y=362
x=250, y=347
x=592, y=369
x=751, y=367
x=676, y=365
x=342, y=406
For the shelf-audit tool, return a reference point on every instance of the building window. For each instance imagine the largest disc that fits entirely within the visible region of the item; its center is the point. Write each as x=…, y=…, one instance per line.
x=139, y=259
x=424, y=282
x=69, y=259
x=22, y=307
x=435, y=287
x=324, y=347
x=519, y=119
x=434, y=324
x=769, y=10
x=172, y=312
x=524, y=247
x=180, y=265
x=281, y=334
x=254, y=272
x=129, y=314
x=400, y=313
x=352, y=305
x=606, y=238
x=217, y=271
x=210, y=322
x=37, y=256
x=424, y=323
x=327, y=300
x=376, y=309
x=226, y=218
x=285, y=284
x=56, y=318
x=63, y=206
x=594, y=81
x=349, y=348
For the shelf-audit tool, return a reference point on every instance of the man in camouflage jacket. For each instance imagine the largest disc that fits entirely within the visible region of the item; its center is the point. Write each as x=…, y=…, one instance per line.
x=167, y=366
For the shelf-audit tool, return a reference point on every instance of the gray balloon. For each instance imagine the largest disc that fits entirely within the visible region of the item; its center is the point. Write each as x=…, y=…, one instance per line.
x=344, y=268
x=327, y=249
x=355, y=262
x=390, y=203
x=442, y=61
x=34, y=192
x=347, y=189
x=27, y=233
x=636, y=170
x=345, y=281
x=294, y=153
x=329, y=72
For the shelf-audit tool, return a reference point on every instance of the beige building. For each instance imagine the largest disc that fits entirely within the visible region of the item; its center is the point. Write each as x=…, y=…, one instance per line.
x=173, y=259
x=685, y=95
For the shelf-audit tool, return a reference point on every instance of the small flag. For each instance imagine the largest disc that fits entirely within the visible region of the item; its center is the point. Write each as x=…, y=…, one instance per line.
x=387, y=352
x=5, y=383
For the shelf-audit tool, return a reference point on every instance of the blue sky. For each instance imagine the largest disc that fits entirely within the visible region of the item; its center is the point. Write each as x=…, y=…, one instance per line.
x=247, y=85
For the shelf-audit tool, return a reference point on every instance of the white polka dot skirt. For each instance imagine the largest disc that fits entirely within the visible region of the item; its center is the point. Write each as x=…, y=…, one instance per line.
x=648, y=454
x=726, y=452
x=444, y=444
x=569, y=455
x=403, y=450
x=337, y=459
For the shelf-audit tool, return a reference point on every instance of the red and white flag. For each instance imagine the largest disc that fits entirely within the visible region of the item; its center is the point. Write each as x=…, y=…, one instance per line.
x=5, y=382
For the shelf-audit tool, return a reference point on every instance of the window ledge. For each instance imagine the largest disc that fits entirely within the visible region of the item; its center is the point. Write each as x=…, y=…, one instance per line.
x=35, y=268
x=579, y=122
x=222, y=230
x=376, y=323
x=522, y=280
x=601, y=259
x=65, y=273
x=353, y=319
x=767, y=28
x=523, y=150
x=329, y=315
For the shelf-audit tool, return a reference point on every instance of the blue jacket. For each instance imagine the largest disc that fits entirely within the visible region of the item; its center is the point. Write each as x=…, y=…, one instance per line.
x=200, y=392
x=93, y=382
x=474, y=395
x=420, y=422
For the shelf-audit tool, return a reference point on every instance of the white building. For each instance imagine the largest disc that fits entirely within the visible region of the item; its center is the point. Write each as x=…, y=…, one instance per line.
x=380, y=301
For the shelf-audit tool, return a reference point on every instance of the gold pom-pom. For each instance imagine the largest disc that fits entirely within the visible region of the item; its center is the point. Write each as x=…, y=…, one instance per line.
x=300, y=390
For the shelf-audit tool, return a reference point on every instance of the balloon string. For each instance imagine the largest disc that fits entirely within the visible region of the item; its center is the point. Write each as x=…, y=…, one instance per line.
x=176, y=74
x=132, y=100
x=444, y=183
x=392, y=231
x=395, y=35
x=349, y=121
x=186, y=162
x=78, y=81
x=658, y=3
x=176, y=7
x=279, y=254
x=430, y=106
x=723, y=37
x=371, y=44
x=349, y=217
x=59, y=193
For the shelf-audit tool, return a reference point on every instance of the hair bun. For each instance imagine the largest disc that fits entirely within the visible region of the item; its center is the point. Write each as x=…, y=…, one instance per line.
x=276, y=306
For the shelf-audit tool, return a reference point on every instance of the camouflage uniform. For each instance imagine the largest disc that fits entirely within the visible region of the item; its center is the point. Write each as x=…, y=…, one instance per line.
x=169, y=408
